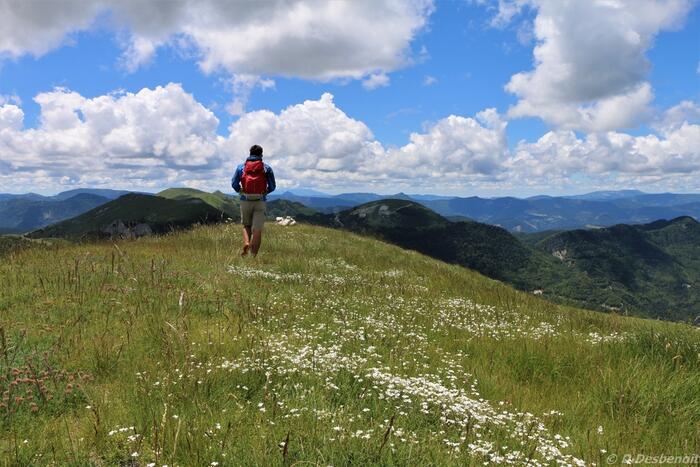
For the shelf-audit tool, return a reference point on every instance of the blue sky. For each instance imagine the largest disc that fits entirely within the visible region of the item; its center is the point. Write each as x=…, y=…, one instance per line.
x=438, y=118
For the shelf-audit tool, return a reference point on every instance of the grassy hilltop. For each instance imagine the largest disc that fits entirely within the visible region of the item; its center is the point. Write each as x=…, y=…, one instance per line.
x=327, y=349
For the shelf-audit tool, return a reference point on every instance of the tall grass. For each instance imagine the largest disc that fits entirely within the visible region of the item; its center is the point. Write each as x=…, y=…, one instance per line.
x=327, y=349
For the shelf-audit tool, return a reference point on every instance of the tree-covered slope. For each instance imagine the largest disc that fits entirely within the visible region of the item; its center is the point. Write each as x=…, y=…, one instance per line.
x=159, y=214
x=652, y=269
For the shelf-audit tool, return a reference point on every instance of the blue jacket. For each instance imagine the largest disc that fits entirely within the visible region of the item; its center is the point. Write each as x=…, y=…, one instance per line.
x=236, y=180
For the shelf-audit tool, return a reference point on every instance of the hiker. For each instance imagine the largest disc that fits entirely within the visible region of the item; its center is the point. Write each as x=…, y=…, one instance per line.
x=254, y=180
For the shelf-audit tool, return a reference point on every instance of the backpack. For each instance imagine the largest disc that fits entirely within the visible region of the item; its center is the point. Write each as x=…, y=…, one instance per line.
x=254, y=180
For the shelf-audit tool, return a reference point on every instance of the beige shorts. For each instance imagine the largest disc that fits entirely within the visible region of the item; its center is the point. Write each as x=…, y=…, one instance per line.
x=253, y=214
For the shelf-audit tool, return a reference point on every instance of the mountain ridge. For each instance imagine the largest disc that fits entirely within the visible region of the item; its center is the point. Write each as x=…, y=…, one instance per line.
x=622, y=267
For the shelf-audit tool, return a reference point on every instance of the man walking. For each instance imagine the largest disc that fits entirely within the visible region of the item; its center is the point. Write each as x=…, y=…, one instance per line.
x=254, y=180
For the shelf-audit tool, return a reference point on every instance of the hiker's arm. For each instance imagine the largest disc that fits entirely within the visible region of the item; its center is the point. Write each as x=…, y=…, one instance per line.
x=271, y=185
x=236, y=180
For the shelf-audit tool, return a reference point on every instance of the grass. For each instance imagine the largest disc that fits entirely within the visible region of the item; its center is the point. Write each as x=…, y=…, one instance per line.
x=328, y=349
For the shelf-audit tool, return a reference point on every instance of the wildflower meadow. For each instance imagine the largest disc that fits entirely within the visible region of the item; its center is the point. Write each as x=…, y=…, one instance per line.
x=327, y=349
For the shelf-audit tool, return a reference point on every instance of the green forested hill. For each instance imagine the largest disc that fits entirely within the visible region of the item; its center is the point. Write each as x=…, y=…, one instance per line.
x=160, y=214
x=650, y=270
x=326, y=349
x=231, y=206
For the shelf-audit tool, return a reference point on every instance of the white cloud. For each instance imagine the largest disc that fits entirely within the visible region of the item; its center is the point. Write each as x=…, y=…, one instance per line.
x=590, y=60
x=147, y=136
x=10, y=99
x=242, y=86
x=313, y=39
x=375, y=80
x=314, y=141
x=676, y=116
x=455, y=149
x=619, y=158
x=507, y=10
x=429, y=80
x=37, y=27
x=163, y=137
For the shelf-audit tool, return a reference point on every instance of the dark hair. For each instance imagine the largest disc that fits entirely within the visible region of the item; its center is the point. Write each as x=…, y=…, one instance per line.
x=256, y=150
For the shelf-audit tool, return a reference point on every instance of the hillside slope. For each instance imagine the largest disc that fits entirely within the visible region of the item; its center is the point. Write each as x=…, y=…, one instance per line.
x=651, y=269
x=175, y=350
x=230, y=205
x=221, y=201
x=159, y=214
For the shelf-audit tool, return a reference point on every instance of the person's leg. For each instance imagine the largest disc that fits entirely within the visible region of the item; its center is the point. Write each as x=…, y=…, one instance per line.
x=246, y=239
x=247, y=221
x=258, y=224
x=255, y=242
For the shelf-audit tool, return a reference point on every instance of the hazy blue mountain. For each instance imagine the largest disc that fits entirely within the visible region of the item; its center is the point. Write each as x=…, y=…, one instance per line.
x=105, y=193
x=534, y=214
x=548, y=213
x=307, y=192
x=29, y=196
x=607, y=195
x=359, y=198
x=429, y=197
x=659, y=199
x=323, y=204
x=23, y=214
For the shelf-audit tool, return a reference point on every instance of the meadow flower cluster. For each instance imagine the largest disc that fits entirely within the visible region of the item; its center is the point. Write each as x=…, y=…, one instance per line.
x=480, y=320
x=326, y=278
x=344, y=344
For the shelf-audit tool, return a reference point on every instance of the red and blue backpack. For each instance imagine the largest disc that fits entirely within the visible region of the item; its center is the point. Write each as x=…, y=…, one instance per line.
x=254, y=179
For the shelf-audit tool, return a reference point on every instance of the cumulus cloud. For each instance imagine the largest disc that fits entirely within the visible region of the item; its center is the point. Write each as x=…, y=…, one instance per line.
x=311, y=141
x=590, y=64
x=676, y=116
x=144, y=136
x=559, y=156
x=37, y=27
x=375, y=80
x=455, y=149
x=316, y=143
x=315, y=39
x=163, y=137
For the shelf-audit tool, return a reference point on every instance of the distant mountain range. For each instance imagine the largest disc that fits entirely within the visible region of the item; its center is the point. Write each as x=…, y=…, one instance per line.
x=26, y=212
x=535, y=214
x=136, y=214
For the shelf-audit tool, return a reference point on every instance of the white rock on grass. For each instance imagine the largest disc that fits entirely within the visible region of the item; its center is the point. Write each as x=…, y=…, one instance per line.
x=286, y=221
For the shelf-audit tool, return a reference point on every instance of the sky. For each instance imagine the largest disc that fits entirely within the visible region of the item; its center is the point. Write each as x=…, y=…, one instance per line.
x=451, y=97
